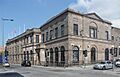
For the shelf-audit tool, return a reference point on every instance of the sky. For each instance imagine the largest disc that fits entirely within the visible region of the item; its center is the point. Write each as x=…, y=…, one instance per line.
x=33, y=13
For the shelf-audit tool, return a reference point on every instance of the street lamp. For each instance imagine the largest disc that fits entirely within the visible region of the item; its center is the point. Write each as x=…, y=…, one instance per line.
x=112, y=53
x=4, y=19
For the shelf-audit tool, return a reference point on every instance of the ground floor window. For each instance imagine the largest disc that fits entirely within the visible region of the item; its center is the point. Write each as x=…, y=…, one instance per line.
x=106, y=54
x=75, y=54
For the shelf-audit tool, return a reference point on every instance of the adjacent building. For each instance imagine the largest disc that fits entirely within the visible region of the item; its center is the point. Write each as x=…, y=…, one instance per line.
x=22, y=47
x=116, y=41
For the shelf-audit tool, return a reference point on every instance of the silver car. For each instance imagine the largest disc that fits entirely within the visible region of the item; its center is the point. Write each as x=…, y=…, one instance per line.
x=103, y=65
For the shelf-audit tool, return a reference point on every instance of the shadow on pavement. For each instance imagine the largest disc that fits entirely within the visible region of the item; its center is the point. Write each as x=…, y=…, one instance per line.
x=13, y=74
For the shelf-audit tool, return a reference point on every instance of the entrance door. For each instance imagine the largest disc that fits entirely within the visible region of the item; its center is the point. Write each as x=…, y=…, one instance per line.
x=106, y=54
x=93, y=55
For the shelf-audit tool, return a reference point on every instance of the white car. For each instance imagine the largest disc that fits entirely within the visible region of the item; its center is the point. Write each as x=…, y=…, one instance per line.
x=6, y=65
x=117, y=62
x=103, y=65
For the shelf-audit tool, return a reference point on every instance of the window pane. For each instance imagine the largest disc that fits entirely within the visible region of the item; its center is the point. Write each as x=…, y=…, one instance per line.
x=62, y=30
x=75, y=29
x=46, y=36
x=37, y=38
x=56, y=32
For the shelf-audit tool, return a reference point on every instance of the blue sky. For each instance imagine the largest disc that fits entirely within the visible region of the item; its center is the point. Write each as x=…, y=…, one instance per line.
x=33, y=13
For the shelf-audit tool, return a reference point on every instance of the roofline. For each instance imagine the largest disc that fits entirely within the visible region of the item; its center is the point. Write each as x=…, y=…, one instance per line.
x=21, y=35
x=72, y=11
x=115, y=27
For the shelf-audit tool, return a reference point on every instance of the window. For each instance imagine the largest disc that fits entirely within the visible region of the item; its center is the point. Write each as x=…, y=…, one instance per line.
x=37, y=38
x=42, y=37
x=107, y=35
x=51, y=34
x=75, y=29
x=115, y=52
x=93, y=32
x=27, y=40
x=112, y=37
x=56, y=32
x=119, y=51
x=31, y=39
x=46, y=36
x=62, y=30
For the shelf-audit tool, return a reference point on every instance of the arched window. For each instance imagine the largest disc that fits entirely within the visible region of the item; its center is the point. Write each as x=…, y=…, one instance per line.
x=75, y=54
x=56, y=55
x=62, y=49
x=106, y=54
x=51, y=55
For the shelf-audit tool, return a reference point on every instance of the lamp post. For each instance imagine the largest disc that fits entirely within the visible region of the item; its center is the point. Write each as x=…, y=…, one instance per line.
x=4, y=19
x=113, y=57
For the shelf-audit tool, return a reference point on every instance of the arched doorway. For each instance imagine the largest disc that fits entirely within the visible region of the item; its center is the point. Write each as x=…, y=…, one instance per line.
x=51, y=55
x=106, y=54
x=62, y=55
x=93, y=55
x=56, y=56
x=75, y=54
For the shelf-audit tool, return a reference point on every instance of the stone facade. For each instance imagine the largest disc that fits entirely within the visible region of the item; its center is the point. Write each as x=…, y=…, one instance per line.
x=68, y=34
x=22, y=47
x=116, y=41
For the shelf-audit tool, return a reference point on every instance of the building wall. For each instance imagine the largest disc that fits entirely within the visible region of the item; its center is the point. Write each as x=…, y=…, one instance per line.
x=82, y=41
x=18, y=45
x=116, y=40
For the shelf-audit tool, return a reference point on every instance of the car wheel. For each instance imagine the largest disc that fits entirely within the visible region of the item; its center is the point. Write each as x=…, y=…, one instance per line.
x=104, y=68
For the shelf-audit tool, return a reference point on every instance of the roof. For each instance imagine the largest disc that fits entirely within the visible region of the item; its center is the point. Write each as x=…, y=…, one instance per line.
x=28, y=31
x=89, y=15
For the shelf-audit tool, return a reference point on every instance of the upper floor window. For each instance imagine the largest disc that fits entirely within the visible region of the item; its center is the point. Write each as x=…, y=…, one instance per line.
x=51, y=34
x=119, y=51
x=107, y=35
x=31, y=39
x=112, y=37
x=62, y=30
x=56, y=32
x=75, y=29
x=46, y=36
x=27, y=40
x=37, y=38
x=43, y=38
x=93, y=32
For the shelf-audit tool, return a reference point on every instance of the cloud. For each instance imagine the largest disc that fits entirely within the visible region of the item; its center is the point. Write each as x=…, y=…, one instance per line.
x=107, y=9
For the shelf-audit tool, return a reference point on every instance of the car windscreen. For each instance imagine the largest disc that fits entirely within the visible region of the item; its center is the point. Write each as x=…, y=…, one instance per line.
x=102, y=62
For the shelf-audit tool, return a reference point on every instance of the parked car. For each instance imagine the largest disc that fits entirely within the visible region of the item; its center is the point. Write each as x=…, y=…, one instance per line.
x=26, y=63
x=103, y=65
x=117, y=62
x=6, y=64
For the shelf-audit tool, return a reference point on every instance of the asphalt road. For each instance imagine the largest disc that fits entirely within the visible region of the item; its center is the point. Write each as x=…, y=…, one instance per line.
x=55, y=72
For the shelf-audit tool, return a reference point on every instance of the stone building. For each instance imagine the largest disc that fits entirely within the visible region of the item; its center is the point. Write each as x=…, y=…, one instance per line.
x=116, y=41
x=66, y=35
x=22, y=47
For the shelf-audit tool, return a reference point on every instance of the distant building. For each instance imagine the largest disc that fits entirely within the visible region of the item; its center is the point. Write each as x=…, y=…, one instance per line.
x=22, y=47
x=116, y=41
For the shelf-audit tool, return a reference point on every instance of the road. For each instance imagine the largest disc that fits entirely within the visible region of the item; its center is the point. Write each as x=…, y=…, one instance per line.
x=36, y=71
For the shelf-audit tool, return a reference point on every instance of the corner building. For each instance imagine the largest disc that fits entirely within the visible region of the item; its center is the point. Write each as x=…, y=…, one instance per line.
x=65, y=36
